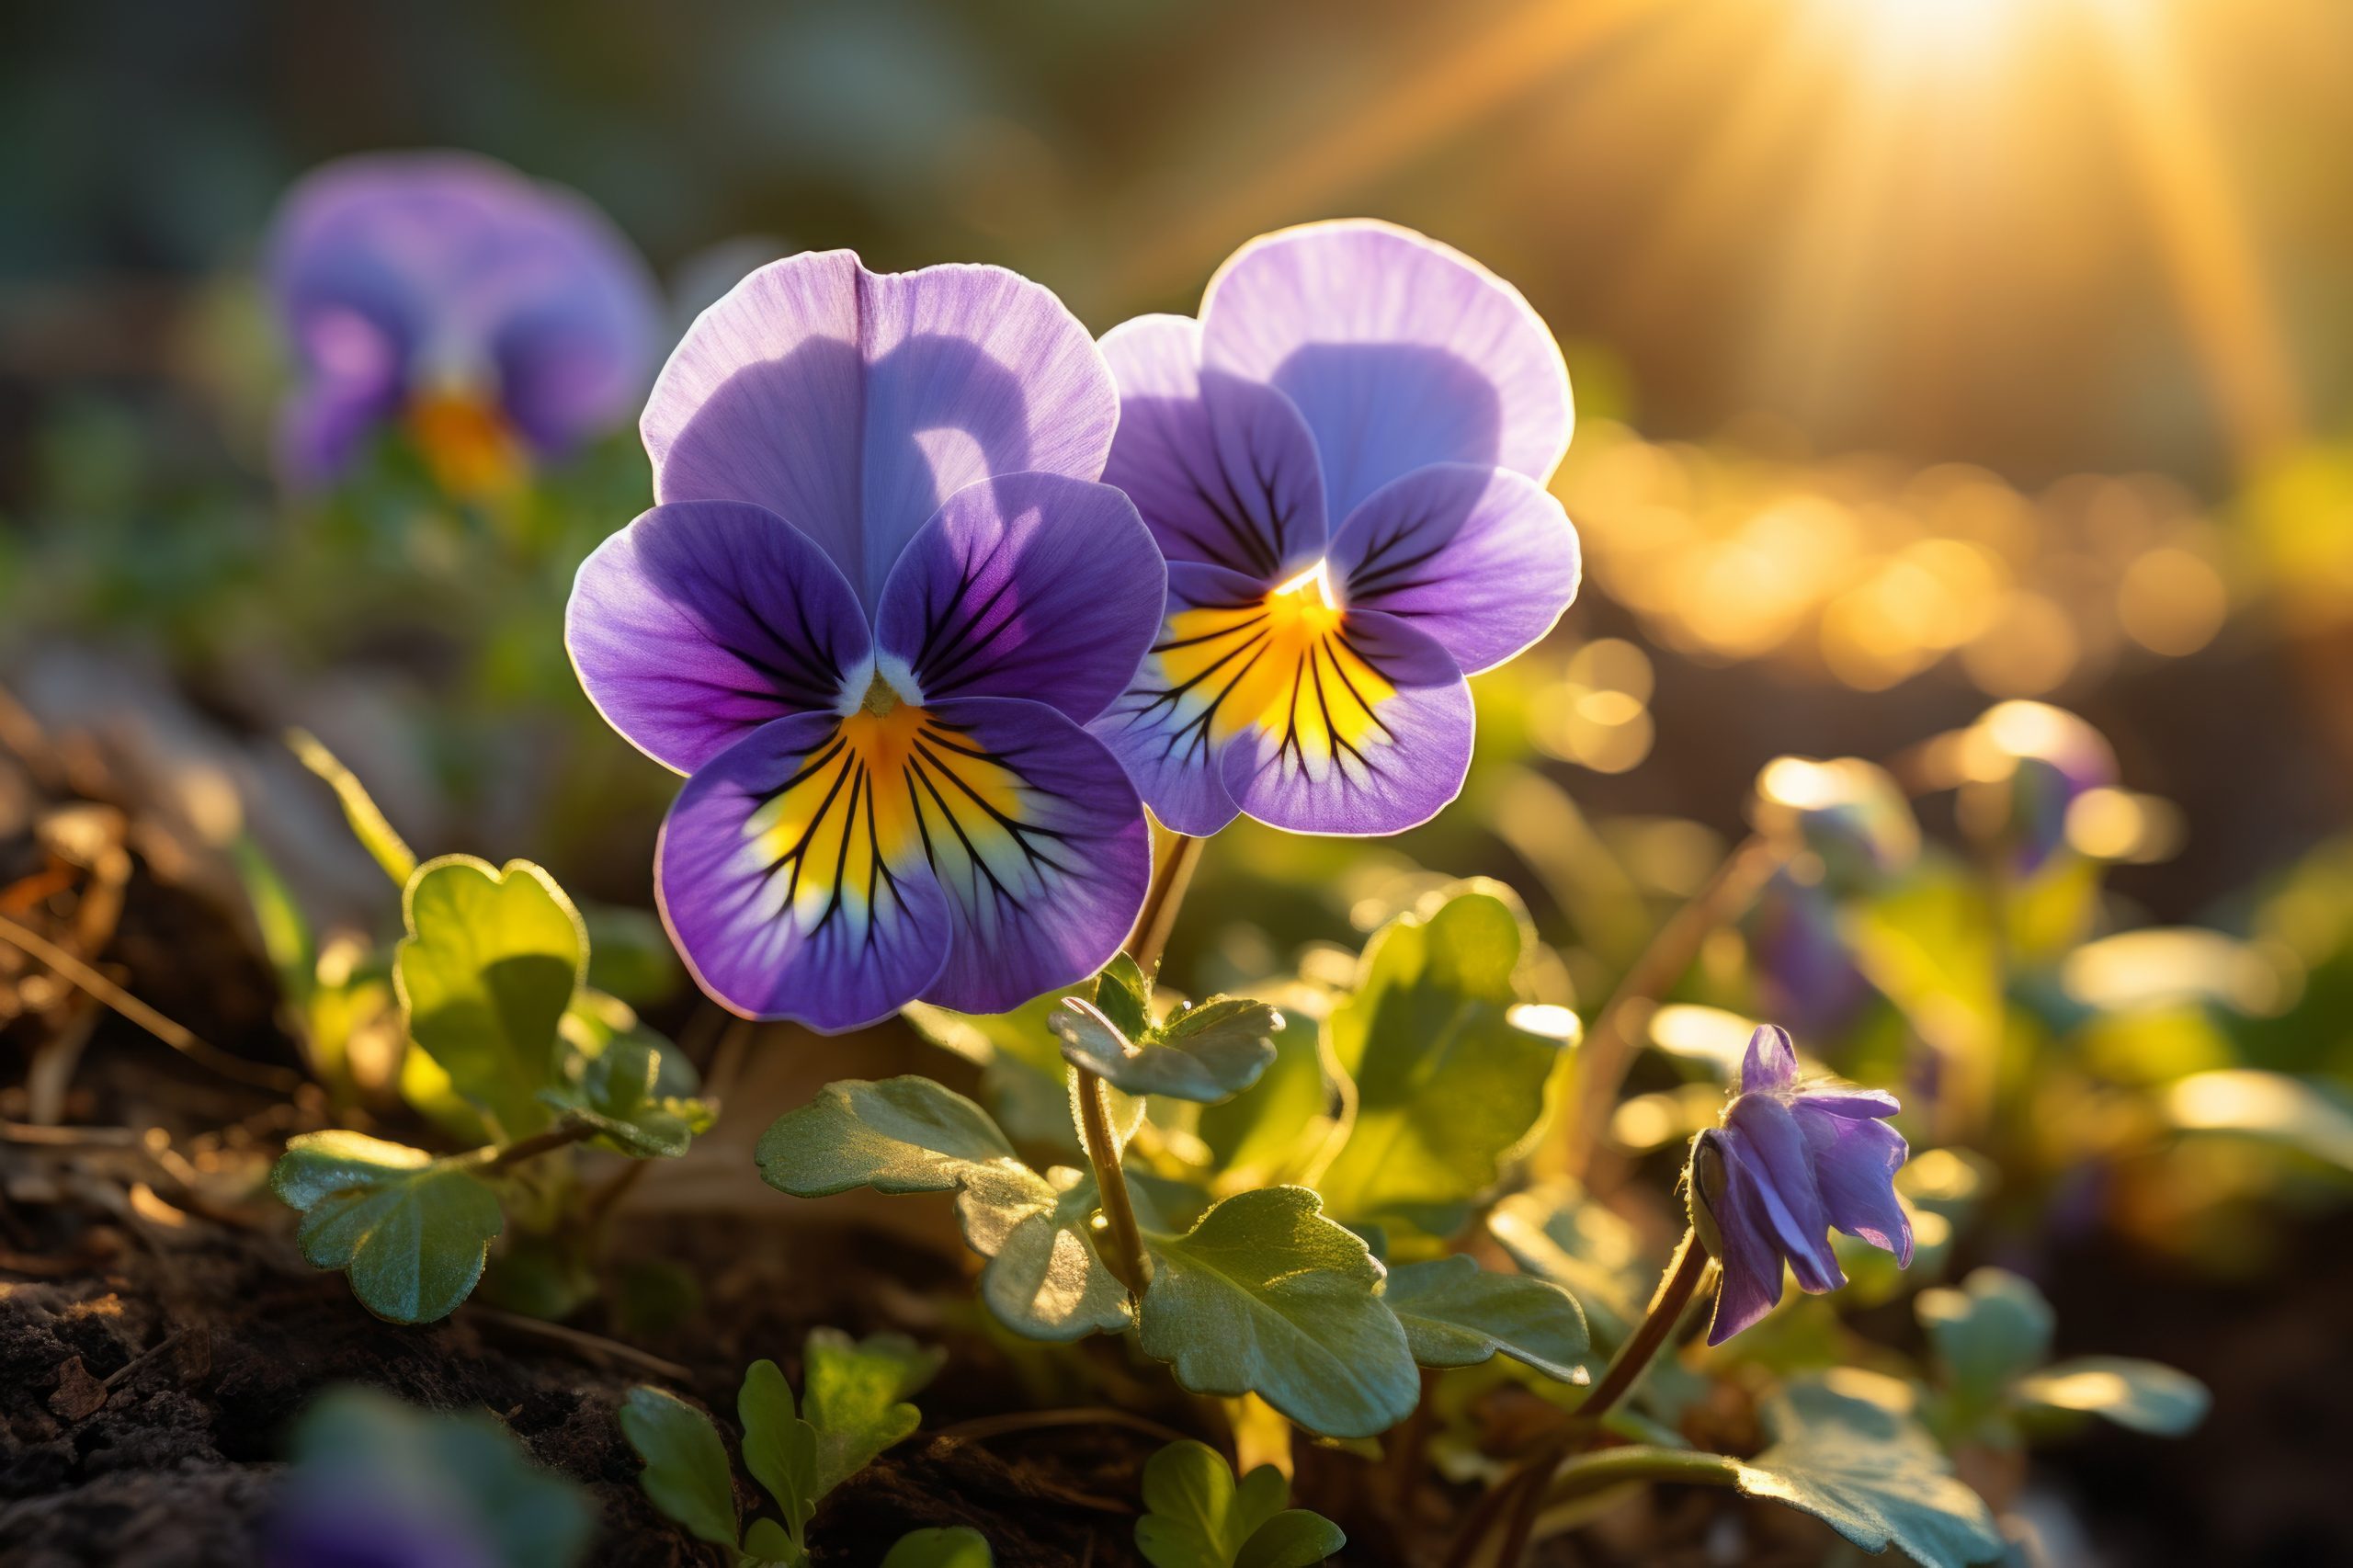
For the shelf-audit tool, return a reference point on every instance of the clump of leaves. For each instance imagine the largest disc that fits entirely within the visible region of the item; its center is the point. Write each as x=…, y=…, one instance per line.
x=1263, y=1290
x=1991, y=1336
x=510, y=1043
x=378, y=1481
x=1196, y=1516
x=853, y=1407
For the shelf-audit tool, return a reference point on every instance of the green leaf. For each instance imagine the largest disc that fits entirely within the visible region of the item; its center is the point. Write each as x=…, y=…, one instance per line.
x=765, y=1542
x=954, y=1546
x=367, y=824
x=616, y=1092
x=2145, y=1396
x=687, y=1474
x=1048, y=1282
x=910, y=1134
x=1264, y=1129
x=484, y=977
x=1296, y=1538
x=1265, y=1295
x=1458, y=1314
x=1446, y=1083
x=853, y=1393
x=1994, y=1328
x=412, y=1233
x=780, y=1449
x=1196, y=1518
x=1123, y=994
x=1847, y=1453
x=1205, y=1053
x=360, y=1444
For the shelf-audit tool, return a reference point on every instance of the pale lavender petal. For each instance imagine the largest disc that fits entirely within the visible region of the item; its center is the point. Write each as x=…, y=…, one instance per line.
x=466, y=271
x=1855, y=1163
x=1483, y=559
x=1365, y=730
x=1771, y=1064
x=1029, y=585
x=1751, y=1264
x=1399, y=351
x=1763, y=1149
x=1039, y=841
x=704, y=619
x=1223, y=470
x=1169, y=728
x=853, y=403
x=323, y=424
x=792, y=882
x=1850, y=1100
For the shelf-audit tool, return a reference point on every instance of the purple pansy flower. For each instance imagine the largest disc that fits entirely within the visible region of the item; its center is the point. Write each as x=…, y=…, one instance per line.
x=493, y=317
x=1344, y=461
x=1791, y=1160
x=878, y=602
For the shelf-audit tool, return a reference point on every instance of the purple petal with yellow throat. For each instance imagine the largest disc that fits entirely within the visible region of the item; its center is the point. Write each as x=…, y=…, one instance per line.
x=1028, y=586
x=793, y=882
x=1223, y=468
x=1483, y=559
x=1039, y=842
x=704, y=619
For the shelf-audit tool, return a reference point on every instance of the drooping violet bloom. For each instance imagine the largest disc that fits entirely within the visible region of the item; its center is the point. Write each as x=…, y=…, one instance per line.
x=1791, y=1160
x=1343, y=459
x=878, y=601
x=495, y=319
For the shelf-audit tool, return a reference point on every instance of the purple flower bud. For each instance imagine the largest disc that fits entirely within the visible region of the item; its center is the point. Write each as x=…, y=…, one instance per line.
x=1790, y=1161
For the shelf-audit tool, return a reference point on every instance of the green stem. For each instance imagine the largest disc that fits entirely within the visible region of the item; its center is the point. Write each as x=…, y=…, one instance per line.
x=1129, y=1261
x=1533, y=1484
x=512, y=1155
x=1614, y=1467
x=1172, y=873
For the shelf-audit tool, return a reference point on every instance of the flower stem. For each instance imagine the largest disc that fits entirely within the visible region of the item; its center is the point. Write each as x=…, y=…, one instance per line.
x=1536, y=1482
x=1608, y=1049
x=1128, y=1260
x=1642, y=1346
x=512, y=1155
x=1172, y=873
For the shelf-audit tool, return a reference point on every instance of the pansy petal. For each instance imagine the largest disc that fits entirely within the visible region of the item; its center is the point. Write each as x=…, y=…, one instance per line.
x=792, y=881
x=323, y=424
x=1169, y=728
x=1855, y=1163
x=1771, y=1063
x=1030, y=585
x=1764, y=1147
x=1483, y=559
x=1751, y=1265
x=853, y=403
x=1364, y=728
x=470, y=269
x=704, y=619
x=1039, y=841
x=1223, y=470
x=1399, y=351
x=1834, y=1099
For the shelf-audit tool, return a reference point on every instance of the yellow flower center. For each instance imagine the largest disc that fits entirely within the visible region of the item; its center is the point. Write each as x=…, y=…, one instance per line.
x=468, y=445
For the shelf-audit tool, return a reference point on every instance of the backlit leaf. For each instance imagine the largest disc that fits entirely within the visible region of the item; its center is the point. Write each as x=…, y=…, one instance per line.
x=687, y=1474
x=2145, y=1396
x=1457, y=1315
x=1205, y=1053
x=411, y=1231
x=854, y=1393
x=1265, y=1295
x=484, y=977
